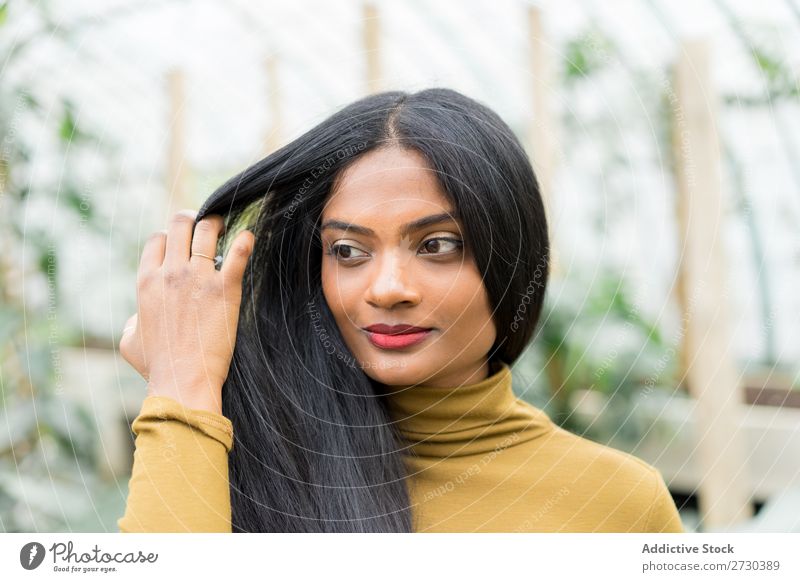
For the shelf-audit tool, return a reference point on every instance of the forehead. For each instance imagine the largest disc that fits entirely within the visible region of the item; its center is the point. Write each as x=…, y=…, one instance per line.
x=387, y=183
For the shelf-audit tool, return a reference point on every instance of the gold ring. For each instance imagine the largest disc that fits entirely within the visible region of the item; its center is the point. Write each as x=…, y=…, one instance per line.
x=202, y=255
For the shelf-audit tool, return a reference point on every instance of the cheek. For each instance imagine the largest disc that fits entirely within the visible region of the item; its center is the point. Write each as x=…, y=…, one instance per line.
x=464, y=302
x=470, y=294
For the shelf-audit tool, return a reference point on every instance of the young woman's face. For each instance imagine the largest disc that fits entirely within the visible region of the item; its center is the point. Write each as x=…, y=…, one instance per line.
x=385, y=270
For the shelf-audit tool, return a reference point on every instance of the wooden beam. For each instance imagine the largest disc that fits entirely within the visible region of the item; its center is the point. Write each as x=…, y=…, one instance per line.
x=178, y=196
x=274, y=134
x=542, y=124
x=710, y=372
x=372, y=48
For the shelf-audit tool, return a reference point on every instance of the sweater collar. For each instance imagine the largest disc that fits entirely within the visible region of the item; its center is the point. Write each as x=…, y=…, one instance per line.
x=445, y=421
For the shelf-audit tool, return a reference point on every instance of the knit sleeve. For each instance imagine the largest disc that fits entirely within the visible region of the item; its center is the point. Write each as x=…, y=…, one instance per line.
x=179, y=481
x=663, y=516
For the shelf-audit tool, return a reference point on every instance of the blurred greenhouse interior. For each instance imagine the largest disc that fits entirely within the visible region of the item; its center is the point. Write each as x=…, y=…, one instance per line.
x=666, y=138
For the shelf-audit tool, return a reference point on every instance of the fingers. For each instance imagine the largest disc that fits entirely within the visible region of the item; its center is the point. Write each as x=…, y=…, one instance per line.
x=130, y=325
x=206, y=234
x=128, y=346
x=152, y=253
x=179, y=238
x=235, y=262
x=128, y=330
x=185, y=238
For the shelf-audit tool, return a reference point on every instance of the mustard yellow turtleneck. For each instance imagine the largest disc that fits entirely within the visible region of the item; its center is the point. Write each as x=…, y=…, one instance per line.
x=479, y=460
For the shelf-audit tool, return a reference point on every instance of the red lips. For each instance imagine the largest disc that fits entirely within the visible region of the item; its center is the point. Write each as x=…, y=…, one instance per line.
x=399, y=329
x=395, y=337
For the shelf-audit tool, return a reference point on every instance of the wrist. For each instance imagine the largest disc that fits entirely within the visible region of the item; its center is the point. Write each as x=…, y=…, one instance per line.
x=196, y=396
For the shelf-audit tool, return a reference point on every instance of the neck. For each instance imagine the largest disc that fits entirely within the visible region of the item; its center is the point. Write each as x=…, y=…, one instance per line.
x=471, y=375
x=460, y=419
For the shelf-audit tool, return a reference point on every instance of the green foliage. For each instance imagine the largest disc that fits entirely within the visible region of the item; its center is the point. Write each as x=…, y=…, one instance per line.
x=594, y=336
x=585, y=55
x=69, y=129
x=779, y=78
x=49, y=477
x=49, y=480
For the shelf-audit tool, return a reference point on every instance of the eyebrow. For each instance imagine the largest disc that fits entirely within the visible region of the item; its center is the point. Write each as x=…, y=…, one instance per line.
x=404, y=230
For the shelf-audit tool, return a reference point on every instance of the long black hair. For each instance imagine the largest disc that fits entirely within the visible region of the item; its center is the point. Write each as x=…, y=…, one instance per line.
x=314, y=448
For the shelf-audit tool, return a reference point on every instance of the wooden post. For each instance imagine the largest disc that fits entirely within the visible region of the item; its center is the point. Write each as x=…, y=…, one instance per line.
x=274, y=137
x=724, y=496
x=541, y=131
x=372, y=48
x=177, y=169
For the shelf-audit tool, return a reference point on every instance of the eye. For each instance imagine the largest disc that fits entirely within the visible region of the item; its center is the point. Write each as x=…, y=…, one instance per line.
x=434, y=245
x=344, y=252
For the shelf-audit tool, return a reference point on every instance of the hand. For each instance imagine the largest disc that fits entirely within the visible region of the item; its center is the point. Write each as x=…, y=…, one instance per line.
x=182, y=337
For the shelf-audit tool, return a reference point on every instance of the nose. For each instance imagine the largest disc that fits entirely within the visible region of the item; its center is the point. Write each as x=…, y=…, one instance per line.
x=392, y=282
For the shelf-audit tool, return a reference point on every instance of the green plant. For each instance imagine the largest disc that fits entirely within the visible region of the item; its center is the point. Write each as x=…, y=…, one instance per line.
x=49, y=477
x=594, y=336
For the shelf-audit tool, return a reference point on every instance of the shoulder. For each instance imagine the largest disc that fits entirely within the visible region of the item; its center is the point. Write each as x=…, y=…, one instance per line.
x=598, y=459
x=622, y=484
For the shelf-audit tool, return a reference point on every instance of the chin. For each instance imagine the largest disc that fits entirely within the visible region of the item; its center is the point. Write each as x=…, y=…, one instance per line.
x=394, y=370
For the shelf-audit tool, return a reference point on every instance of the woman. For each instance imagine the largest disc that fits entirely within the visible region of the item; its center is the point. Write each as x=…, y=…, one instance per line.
x=357, y=344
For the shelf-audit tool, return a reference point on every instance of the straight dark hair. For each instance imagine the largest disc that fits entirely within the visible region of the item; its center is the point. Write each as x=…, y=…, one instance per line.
x=314, y=448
